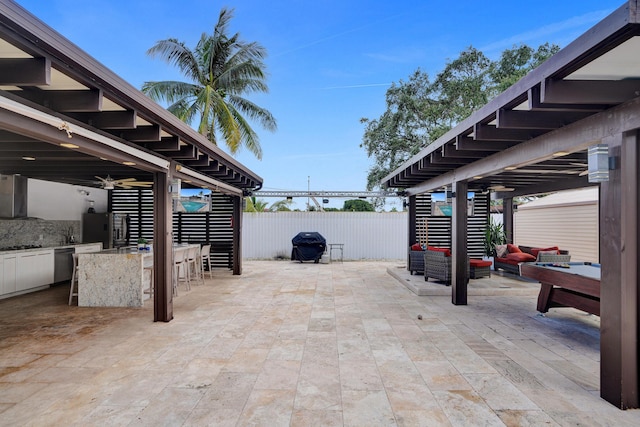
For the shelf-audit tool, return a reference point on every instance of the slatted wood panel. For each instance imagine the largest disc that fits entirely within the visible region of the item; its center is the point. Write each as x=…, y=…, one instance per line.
x=202, y=227
x=439, y=227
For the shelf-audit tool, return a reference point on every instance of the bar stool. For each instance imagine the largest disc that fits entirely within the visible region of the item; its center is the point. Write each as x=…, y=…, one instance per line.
x=180, y=262
x=73, y=289
x=148, y=266
x=194, y=260
x=205, y=256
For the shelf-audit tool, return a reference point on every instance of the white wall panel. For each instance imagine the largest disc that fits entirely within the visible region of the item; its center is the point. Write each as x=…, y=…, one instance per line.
x=571, y=227
x=366, y=235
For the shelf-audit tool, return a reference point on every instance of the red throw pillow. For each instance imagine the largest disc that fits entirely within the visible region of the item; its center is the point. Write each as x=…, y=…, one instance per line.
x=534, y=251
x=416, y=247
x=521, y=257
x=513, y=249
x=446, y=251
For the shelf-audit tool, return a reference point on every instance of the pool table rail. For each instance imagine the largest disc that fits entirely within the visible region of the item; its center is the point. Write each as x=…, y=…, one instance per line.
x=564, y=289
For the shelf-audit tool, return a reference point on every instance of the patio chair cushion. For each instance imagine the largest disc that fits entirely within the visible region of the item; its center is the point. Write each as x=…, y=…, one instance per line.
x=446, y=251
x=520, y=257
x=479, y=263
x=416, y=247
x=501, y=251
x=513, y=249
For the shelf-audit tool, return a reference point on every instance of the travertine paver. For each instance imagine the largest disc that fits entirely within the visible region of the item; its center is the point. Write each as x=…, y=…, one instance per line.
x=305, y=344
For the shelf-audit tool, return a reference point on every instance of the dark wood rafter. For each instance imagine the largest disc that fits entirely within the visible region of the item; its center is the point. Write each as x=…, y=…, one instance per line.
x=607, y=92
x=450, y=150
x=25, y=71
x=491, y=133
x=202, y=160
x=108, y=119
x=166, y=144
x=141, y=134
x=64, y=100
x=513, y=119
x=535, y=104
x=467, y=143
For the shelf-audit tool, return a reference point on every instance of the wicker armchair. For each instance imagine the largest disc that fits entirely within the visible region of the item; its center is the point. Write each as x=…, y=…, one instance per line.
x=438, y=266
x=416, y=261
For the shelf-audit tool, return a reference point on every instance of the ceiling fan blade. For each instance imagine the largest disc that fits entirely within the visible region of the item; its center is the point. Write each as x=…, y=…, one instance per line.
x=583, y=173
x=124, y=180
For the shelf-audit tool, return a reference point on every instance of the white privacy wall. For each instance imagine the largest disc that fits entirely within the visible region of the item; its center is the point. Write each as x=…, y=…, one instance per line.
x=366, y=235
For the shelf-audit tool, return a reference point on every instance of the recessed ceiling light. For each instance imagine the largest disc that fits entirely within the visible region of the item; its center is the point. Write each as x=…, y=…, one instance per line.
x=69, y=145
x=477, y=177
x=560, y=154
x=28, y=158
x=129, y=163
x=510, y=168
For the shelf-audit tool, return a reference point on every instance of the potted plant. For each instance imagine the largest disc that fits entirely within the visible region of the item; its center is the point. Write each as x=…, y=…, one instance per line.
x=493, y=235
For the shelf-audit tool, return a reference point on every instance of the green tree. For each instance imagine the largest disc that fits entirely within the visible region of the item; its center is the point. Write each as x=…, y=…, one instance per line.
x=281, y=206
x=357, y=205
x=254, y=205
x=220, y=71
x=420, y=110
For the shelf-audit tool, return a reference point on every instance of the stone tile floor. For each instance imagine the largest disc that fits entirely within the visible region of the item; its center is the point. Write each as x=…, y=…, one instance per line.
x=304, y=345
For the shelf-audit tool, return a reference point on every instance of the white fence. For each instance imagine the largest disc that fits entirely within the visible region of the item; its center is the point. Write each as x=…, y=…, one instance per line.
x=366, y=235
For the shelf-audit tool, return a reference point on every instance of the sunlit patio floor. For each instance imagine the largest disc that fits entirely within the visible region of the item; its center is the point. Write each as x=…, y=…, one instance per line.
x=305, y=345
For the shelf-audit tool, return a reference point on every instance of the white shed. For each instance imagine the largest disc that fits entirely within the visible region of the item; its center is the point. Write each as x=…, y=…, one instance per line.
x=567, y=219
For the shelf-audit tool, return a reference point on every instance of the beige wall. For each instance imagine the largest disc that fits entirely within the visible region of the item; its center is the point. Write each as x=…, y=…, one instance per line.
x=572, y=227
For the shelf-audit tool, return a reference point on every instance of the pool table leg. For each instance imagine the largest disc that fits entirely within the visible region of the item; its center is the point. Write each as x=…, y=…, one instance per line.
x=544, y=297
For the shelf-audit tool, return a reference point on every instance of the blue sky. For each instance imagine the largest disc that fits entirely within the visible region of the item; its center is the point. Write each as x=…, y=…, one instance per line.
x=330, y=61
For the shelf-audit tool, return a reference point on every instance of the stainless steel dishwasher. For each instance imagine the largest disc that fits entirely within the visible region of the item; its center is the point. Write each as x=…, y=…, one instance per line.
x=63, y=264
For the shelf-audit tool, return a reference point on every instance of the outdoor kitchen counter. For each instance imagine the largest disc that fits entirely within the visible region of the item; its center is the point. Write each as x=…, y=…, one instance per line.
x=115, y=277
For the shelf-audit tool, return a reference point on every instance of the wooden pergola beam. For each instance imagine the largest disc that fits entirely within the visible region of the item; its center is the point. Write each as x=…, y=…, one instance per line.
x=25, y=71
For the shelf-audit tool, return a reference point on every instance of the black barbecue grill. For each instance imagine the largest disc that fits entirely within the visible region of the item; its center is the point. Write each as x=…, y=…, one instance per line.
x=308, y=246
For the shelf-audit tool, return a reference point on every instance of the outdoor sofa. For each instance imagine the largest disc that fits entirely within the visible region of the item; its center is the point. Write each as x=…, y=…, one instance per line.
x=516, y=255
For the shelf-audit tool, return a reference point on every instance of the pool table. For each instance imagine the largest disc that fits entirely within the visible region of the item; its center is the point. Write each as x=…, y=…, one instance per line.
x=572, y=284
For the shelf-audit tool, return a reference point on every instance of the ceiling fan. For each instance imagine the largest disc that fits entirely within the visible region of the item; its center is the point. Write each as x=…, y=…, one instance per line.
x=109, y=183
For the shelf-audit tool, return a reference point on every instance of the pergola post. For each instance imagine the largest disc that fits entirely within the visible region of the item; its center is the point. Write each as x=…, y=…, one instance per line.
x=411, y=238
x=459, y=252
x=162, y=249
x=619, y=297
x=237, y=234
x=507, y=218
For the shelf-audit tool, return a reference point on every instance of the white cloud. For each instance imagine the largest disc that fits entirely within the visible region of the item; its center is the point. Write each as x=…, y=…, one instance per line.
x=545, y=32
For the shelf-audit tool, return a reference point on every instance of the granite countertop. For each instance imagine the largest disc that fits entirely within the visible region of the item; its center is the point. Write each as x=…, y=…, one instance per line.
x=10, y=251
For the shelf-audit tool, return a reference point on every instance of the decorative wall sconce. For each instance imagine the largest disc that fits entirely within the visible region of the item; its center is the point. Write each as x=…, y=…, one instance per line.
x=598, y=163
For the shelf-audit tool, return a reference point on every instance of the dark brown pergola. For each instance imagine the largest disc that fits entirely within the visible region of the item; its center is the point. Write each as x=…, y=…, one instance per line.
x=533, y=138
x=78, y=119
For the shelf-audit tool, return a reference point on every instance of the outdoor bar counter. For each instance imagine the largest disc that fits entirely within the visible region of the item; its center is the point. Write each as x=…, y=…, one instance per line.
x=115, y=277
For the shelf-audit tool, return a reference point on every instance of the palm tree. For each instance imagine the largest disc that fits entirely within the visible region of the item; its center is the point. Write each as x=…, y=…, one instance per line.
x=221, y=69
x=255, y=205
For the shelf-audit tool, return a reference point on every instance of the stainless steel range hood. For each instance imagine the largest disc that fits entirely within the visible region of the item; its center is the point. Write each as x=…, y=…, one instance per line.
x=13, y=196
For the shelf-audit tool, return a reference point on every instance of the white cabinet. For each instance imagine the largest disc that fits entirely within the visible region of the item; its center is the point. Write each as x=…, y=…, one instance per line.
x=8, y=278
x=34, y=269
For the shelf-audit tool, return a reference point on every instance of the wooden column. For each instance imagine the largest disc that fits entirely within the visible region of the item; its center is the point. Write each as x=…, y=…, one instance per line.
x=411, y=237
x=162, y=249
x=237, y=235
x=459, y=252
x=619, y=281
x=507, y=218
